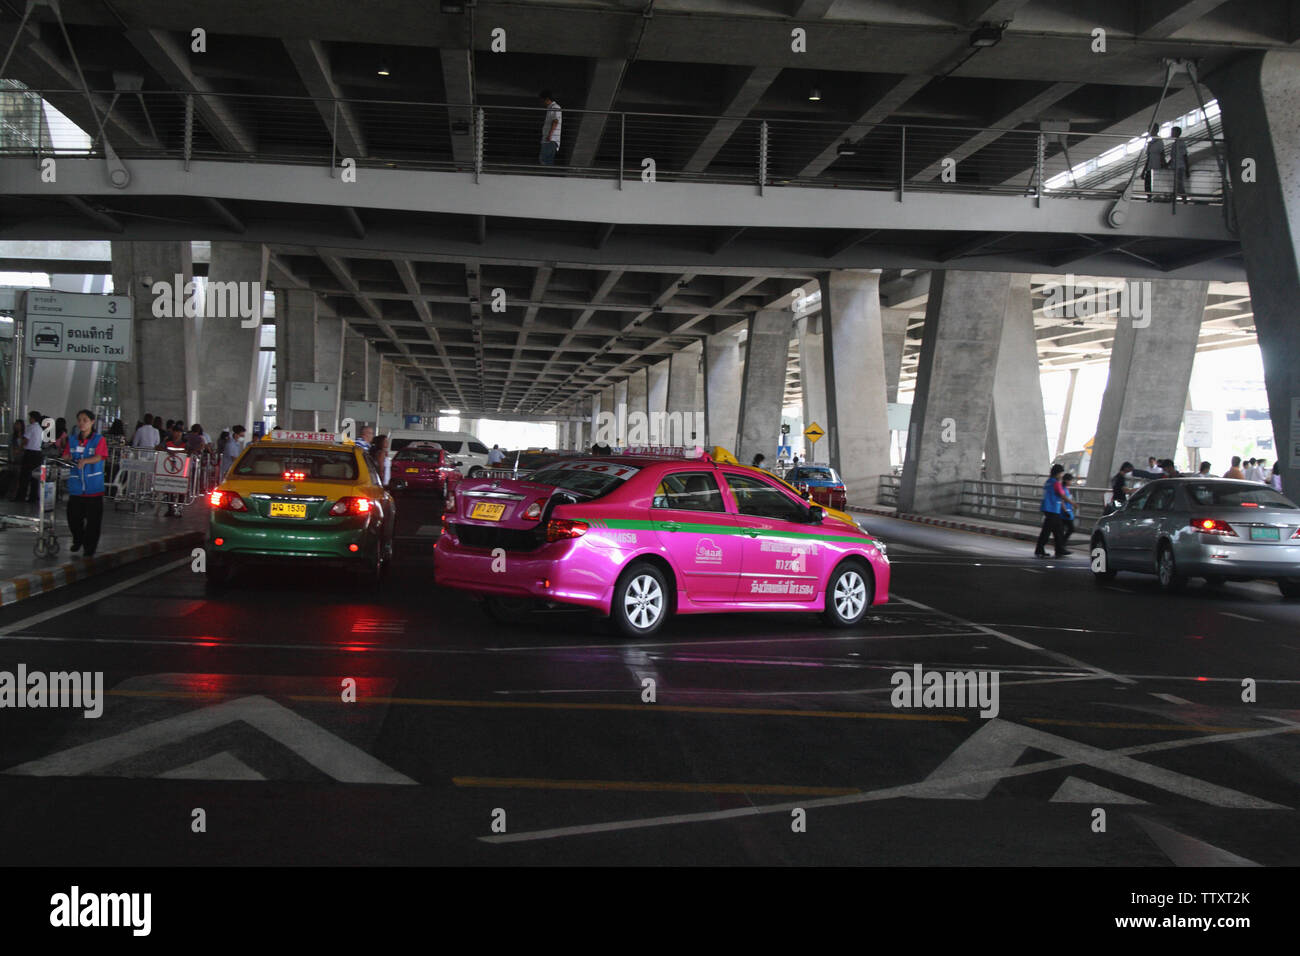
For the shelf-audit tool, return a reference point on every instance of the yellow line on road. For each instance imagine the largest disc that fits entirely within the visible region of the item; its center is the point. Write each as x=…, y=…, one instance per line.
x=672, y=708
x=650, y=786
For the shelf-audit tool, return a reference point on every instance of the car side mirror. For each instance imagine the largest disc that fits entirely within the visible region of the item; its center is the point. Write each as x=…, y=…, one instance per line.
x=816, y=514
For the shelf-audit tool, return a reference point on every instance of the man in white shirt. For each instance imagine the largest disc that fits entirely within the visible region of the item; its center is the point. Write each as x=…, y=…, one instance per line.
x=33, y=437
x=146, y=436
x=232, y=449
x=550, y=130
x=1252, y=471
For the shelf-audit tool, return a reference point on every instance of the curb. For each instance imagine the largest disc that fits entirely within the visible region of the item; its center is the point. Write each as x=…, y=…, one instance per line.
x=13, y=590
x=949, y=523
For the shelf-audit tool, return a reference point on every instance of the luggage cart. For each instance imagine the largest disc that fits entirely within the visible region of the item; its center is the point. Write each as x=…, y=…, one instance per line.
x=47, y=542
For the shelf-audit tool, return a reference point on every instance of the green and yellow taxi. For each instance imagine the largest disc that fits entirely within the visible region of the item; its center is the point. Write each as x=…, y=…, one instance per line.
x=301, y=496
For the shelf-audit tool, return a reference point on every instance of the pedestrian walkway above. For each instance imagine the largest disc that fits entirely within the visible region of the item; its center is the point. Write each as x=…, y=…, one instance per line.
x=126, y=537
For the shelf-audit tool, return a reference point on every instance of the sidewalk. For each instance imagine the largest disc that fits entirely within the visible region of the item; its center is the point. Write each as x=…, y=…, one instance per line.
x=1000, y=529
x=126, y=537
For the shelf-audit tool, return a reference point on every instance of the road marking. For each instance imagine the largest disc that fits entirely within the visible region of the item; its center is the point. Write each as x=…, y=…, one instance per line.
x=326, y=752
x=1000, y=635
x=1242, y=617
x=885, y=793
x=1174, y=699
x=1074, y=790
x=1000, y=744
x=648, y=786
x=1031, y=570
x=99, y=595
x=1183, y=850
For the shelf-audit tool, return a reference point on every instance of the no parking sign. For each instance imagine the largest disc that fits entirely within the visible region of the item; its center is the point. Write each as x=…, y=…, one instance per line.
x=171, y=472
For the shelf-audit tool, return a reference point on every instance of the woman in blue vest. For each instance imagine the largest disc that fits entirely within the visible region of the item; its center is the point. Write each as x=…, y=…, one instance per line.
x=1054, y=495
x=87, y=450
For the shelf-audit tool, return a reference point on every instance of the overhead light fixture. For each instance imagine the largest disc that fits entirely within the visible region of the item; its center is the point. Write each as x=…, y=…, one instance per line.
x=383, y=69
x=986, y=35
x=451, y=6
x=814, y=95
x=846, y=149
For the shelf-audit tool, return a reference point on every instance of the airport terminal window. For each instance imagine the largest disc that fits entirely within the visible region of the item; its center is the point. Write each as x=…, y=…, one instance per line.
x=756, y=497
x=689, y=491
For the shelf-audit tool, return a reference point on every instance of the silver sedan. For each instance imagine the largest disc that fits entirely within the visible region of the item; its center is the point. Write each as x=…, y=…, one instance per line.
x=1213, y=528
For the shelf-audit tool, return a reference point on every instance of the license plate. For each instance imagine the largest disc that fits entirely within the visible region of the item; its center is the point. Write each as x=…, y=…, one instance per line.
x=287, y=509
x=1265, y=534
x=413, y=471
x=487, y=511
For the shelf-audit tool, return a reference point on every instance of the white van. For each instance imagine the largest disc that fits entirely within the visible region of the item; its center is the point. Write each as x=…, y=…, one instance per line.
x=462, y=447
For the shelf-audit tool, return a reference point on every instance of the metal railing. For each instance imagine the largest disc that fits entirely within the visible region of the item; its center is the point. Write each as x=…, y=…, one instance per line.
x=621, y=146
x=887, y=491
x=1019, y=503
x=129, y=479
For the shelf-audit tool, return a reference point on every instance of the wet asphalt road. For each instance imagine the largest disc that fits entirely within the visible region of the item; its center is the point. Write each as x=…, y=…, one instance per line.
x=1117, y=698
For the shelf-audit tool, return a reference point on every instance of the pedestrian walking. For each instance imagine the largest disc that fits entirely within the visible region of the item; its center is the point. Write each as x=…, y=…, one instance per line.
x=231, y=449
x=1155, y=160
x=87, y=450
x=550, y=130
x=1053, y=526
x=1119, y=486
x=33, y=437
x=1178, y=160
x=1235, y=471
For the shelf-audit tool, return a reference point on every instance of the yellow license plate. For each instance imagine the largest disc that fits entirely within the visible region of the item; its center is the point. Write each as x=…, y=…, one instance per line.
x=413, y=471
x=488, y=512
x=287, y=509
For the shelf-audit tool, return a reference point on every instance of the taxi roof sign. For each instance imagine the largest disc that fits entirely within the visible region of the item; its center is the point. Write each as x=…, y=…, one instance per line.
x=284, y=434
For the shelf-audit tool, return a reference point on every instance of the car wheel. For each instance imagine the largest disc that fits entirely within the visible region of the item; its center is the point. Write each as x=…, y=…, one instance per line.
x=1290, y=587
x=640, y=603
x=476, y=472
x=1102, y=559
x=848, y=595
x=1167, y=570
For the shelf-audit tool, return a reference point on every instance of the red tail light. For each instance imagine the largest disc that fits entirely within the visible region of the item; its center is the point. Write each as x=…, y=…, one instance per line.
x=558, y=529
x=352, y=506
x=295, y=476
x=533, y=512
x=1212, y=526
x=1297, y=533
x=227, y=501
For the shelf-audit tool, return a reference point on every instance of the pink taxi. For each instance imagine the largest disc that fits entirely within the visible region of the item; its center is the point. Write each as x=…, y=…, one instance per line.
x=639, y=537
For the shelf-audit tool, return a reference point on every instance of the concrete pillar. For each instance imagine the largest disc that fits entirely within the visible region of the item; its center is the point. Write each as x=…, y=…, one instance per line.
x=723, y=363
x=1150, y=369
x=894, y=332
x=228, y=374
x=154, y=381
x=354, y=367
x=1017, y=439
x=329, y=363
x=1258, y=95
x=374, y=359
x=954, y=388
x=767, y=348
x=812, y=370
x=657, y=399
x=638, y=385
x=857, y=427
x=295, y=351
x=388, y=393
x=683, y=370
x=620, y=411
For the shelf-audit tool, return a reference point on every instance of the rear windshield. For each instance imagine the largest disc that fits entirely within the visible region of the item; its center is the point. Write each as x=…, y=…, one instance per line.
x=316, y=463
x=1236, y=496
x=815, y=474
x=590, y=479
x=431, y=455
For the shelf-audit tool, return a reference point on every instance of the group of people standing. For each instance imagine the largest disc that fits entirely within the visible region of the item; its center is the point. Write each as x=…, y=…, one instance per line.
x=1058, y=508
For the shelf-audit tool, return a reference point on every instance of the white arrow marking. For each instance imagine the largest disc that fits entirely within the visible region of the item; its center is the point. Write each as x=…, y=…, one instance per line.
x=1075, y=790
x=1183, y=850
x=323, y=750
x=222, y=766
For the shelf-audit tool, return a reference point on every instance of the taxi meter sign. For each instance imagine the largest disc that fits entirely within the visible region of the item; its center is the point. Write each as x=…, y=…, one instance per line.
x=814, y=433
x=171, y=472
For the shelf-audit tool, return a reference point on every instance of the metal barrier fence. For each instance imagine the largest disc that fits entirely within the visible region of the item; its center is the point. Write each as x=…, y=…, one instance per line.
x=1019, y=503
x=608, y=145
x=887, y=491
x=129, y=479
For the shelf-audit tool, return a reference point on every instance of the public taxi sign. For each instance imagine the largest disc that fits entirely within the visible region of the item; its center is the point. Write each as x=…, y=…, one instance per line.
x=814, y=432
